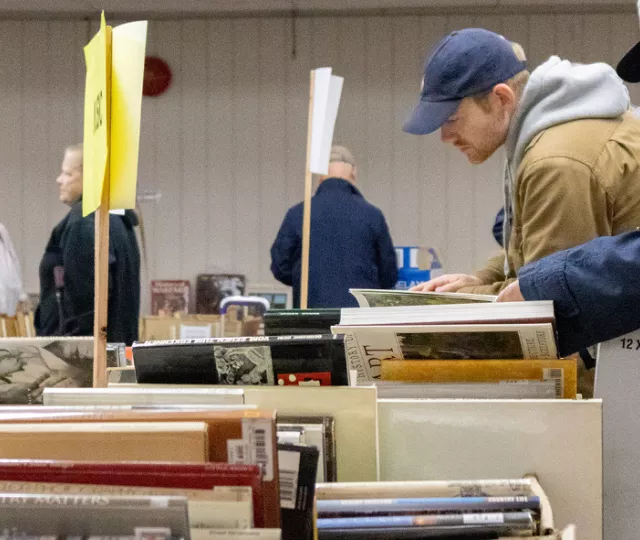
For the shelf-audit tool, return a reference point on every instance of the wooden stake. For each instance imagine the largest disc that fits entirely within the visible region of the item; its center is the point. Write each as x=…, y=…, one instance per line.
x=101, y=263
x=306, y=214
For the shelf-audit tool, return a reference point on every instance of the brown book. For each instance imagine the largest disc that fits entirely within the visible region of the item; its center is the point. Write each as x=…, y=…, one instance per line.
x=212, y=288
x=170, y=297
x=102, y=441
x=236, y=436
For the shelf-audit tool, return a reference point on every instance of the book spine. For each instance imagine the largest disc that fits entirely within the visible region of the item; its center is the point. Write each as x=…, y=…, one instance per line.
x=372, y=506
x=515, y=520
x=434, y=488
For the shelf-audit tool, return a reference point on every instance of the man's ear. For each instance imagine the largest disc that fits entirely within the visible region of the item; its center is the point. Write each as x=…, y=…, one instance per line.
x=505, y=96
x=354, y=173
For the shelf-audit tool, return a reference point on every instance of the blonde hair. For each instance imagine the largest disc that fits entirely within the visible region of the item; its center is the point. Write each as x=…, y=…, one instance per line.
x=516, y=83
x=76, y=148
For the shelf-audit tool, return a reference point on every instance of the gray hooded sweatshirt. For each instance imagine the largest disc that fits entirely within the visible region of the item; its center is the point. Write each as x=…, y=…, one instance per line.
x=557, y=92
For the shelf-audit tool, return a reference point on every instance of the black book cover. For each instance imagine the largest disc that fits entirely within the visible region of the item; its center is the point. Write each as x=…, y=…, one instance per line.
x=297, y=467
x=278, y=322
x=268, y=360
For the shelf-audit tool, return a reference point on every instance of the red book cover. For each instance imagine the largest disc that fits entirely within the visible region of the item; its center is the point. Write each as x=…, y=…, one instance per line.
x=170, y=297
x=142, y=474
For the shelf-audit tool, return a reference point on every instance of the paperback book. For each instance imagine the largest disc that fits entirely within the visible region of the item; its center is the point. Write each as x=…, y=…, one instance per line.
x=392, y=298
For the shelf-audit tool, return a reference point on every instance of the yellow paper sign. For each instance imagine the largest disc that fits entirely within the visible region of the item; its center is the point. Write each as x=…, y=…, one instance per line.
x=95, y=120
x=127, y=71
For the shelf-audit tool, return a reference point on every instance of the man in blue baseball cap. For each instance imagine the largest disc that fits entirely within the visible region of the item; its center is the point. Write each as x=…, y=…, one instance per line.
x=572, y=171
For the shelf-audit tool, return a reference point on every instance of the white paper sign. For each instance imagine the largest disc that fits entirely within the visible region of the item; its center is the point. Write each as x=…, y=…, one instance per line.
x=195, y=331
x=326, y=100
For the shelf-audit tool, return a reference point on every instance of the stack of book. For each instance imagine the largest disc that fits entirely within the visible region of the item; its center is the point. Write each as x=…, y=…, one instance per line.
x=476, y=347
x=199, y=473
x=434, y=509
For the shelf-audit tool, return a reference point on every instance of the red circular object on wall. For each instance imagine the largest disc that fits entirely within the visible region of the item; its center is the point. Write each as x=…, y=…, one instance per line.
x=157, y=76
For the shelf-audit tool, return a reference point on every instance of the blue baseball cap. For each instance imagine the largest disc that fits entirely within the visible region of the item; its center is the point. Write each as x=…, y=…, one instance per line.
x=465, y=63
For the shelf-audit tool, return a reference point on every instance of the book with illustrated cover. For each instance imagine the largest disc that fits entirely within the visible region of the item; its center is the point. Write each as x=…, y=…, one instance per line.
x=287, y=322
x=28, y=365
x=263, y=360
x=219, y=494
x=561, y=373
x=84, y=515
x=392, y=298
x=481, y=313
x=212, y=288
x=368, y=346
x=170, y=297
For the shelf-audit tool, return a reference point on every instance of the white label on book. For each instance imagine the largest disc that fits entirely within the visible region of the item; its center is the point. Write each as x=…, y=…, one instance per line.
x=258, y=434
x=238, y=452
x=489, y=518
x=557, y=376
x=288, y=470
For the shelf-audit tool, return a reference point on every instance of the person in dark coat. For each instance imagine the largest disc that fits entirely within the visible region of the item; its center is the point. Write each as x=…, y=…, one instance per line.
x=350, y=245
x=67, y=267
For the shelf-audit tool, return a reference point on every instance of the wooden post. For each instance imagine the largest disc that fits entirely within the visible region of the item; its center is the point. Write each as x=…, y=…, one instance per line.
x=101, y=263
x=306, y=214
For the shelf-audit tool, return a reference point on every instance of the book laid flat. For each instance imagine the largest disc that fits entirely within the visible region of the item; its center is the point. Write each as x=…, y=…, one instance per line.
x=84, y=515
x=288, y=322
x=219, y=494
x=483, y=313
x=259, y=360
x=234, y=436
x=562, y=373
x=100, y=441
x=368, y=346
x=391, y=298
x=432, y=509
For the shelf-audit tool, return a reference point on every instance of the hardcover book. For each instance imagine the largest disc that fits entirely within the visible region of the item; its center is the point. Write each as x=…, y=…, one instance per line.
x=369, y=346
x=212, y=288
x=263, y=360
x=28, y=365
x=170, y=297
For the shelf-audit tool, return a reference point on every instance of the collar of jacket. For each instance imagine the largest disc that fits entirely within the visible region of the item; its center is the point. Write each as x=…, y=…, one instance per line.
x=337, y=184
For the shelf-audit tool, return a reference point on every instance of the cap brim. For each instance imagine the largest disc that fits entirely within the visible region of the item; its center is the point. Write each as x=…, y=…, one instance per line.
x=629, y=67
x=429, y=116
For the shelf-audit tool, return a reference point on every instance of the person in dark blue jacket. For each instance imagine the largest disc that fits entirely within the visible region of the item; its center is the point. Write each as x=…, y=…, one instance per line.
x=350, y=245
x=595, y=288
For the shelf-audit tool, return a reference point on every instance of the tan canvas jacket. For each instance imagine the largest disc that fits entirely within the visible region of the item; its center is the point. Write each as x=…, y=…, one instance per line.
x=577, y=181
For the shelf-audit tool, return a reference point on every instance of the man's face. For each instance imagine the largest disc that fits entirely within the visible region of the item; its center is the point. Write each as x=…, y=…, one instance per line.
x=477, y=130
x=70, y=179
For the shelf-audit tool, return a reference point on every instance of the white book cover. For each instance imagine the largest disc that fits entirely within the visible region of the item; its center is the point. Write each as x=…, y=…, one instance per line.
x=367, y=346
x=488, y=313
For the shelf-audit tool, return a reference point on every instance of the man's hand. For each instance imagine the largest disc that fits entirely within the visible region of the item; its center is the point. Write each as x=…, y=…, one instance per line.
x=448, y=283
x=511, y=293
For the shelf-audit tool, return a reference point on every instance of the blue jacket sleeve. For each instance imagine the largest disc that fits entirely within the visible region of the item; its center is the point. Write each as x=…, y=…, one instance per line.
x=595, y=288
x=386, y=255
x=285, y=250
